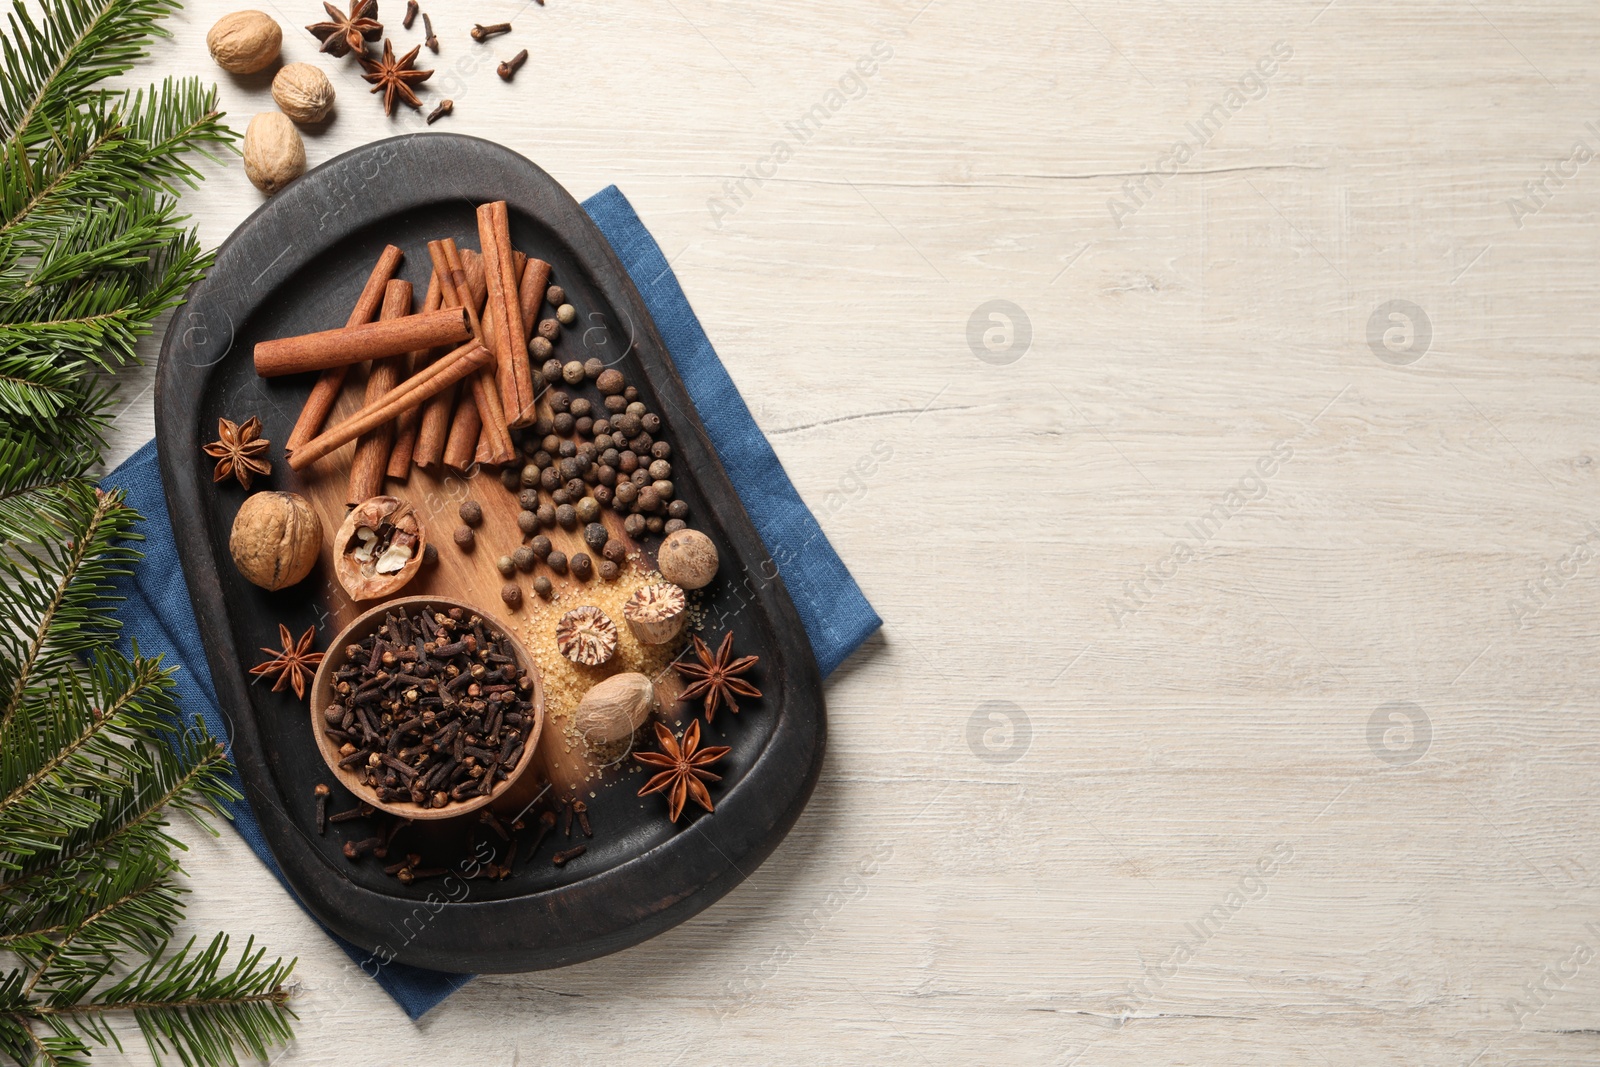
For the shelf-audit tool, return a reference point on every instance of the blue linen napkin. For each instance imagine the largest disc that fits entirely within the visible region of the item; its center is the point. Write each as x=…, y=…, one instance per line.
x=156, y=613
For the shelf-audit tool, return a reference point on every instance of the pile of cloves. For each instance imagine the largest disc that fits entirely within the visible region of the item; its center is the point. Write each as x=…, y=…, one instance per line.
x=430, y=708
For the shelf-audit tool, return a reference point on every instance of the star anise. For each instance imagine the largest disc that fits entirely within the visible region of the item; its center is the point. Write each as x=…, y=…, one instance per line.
x=394, y=77
x=238, y=451
x=715, y=678
x=293, y=663
x=343, y=34
x=685, y=774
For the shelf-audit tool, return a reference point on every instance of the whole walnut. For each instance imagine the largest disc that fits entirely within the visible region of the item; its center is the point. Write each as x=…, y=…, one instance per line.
x=275, y=539
x=303, y=92
x=274, y=155
x=245, y=41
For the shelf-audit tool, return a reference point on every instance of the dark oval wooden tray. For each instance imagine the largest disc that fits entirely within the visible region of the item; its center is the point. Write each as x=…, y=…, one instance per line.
x=297, y=265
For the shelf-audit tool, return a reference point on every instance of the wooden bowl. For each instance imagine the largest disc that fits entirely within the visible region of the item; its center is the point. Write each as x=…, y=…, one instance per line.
x=322, y=695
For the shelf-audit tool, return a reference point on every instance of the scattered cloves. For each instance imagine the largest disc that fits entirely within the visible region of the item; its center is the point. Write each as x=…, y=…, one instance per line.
x=508, y=69
x=431, y=40
x=481, y=33
x=560, y=858
x=444, y=108
x=581, y=810
x=411, y=14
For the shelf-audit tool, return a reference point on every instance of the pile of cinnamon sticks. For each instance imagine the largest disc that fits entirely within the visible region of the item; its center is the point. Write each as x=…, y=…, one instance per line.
x=446, y=384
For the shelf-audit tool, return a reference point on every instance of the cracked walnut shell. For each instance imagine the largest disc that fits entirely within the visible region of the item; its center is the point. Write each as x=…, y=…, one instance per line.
x=379, y=548
x=275, y=539
x=586, y=635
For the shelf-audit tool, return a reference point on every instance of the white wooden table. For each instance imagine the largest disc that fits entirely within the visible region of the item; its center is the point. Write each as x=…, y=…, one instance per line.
x=1235, y=702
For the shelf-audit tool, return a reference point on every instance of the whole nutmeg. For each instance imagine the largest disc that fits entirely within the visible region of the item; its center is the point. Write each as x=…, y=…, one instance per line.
x=274, y=155
x=275, y=539
x=687, y=558
x=245, y=41
x=613, y=709
x=303, y=92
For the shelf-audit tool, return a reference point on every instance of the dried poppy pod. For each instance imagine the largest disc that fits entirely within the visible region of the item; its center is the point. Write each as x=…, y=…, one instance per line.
x=656, y=613
x=586, y=635
x=379, y=548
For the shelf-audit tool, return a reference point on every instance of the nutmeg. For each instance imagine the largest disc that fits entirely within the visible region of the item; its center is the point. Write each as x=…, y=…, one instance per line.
x=274, y=155
x=613, y=709
x=245, y=41
x=275, y=539
x=303, y=92
x=687, y=558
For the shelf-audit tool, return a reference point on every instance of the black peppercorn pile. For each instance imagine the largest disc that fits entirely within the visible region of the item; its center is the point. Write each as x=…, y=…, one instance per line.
x=430, y=708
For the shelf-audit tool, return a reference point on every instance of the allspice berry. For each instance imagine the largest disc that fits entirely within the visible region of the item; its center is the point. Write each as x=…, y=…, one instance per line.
x=465, y=538
x=541, y=585
x=566, y=314
x=245, y=41
x=303, y=92
x=572, y=373
x=274, y=154
x=471, y=512
x=511, y=593
x=506, y=566
x=275, y=539
x=687, y=558
x=610, y=382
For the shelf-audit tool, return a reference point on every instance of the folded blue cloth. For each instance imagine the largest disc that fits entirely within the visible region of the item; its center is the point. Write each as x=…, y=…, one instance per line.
x=156, y=614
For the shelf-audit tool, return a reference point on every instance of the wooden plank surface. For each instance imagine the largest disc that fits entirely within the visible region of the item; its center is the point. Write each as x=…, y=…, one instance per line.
x=1234, y=703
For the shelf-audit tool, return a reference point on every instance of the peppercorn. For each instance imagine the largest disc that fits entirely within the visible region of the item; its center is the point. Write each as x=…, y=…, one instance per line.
x=628, y=462
x=678, y=509
x=595, y=536
x=547, y=515
x=630, y=394
x=540, y=546
x=541, y=585
x=508, y=478
x=627, y=425
x=570, y=468
x=551, y=370
x=635, y=406
x=602, y=495
x=609, y=382
x=567, y=450
x=562, y=497
x=660, y=469
x=511, y=594
x=655, y=524
x=626, y=493
x=651, y=422
x=661, y=450
x=588, y=509
x=641, y=445
x=663, y=488
x=611, y=457
x=430, y=554
x=581, y=566
x=549, y=329
x=572, y=373
x=522, y=559
x=540, y=348
x=614, y=550
x=602, y=426
x=555, y=295
x=649, y=499
x=560, y=400
x=557, y=561
x=542, y=459
x=581, y=406
x=673, y=526
x=607, y=476
x=551, y=443
x=640, y=477
x=505, y=566
x=566, y=516
x=615, y=403
x=528, y=499
x=592, y=367
x=549, y=479
x=566, y=314
x=529, y=478
x=471, y=512
x=609, y=571
x=564, y=423
x=465, y=538
x=633, y=526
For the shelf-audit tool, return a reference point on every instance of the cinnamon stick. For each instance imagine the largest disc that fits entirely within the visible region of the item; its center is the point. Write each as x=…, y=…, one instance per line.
x=535, y=280
x=446, y=372
x=504, y=302
x=490, y=411
x=465, y=429
x=326, y=391
x=472, y=265
x=356, y=344
x=372, y=449
x=409, y=426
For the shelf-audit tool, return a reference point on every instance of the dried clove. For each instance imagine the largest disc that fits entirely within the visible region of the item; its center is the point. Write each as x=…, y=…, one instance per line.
x=481, y=33
x=560, y=858
x=431, y=39
x=411, y=14
x=508, y=69
x=321, y=791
